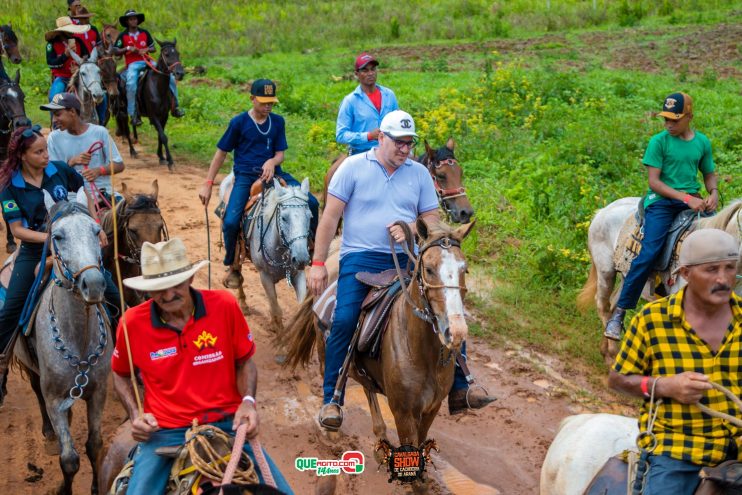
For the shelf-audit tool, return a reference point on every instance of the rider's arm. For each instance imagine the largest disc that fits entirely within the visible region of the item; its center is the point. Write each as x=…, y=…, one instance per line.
x=277, y=159
x=328, y=224
x=711, y=182
x=687, y=387
x=658, y=186
x=247, y=378
x=25, y=234
x=343, y=131
x=125, y=390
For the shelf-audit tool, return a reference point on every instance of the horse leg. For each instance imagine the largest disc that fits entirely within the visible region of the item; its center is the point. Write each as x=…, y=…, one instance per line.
x=94, y=444
x=51, y=445
x=408, y=429
x=606, y=282
x=299, y=281
x=270, y=291
x=69, y=459
x=377, y=420
x=162, y=141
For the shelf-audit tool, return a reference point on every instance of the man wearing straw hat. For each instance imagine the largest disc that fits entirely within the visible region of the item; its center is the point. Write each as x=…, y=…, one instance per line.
x=672, y=351
x=60, y=45
x=194, y=352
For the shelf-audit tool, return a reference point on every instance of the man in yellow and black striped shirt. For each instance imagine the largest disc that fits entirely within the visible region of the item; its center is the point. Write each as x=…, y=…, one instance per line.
x=678, y=345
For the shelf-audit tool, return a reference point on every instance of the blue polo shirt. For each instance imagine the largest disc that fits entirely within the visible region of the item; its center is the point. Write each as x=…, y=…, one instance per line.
x=374, y=199
x=358, y=116
x=24, y=202
x=254, y=144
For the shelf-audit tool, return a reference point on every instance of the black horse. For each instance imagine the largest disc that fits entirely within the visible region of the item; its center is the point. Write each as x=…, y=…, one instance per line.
x=12, y=115
x=9, y=44
x=154, y=99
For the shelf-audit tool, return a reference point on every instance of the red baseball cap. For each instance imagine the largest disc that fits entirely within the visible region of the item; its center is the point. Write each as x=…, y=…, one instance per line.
x=364, y=59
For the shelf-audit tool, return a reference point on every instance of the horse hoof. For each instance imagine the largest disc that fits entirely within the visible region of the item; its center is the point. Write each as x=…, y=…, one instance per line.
x=233, y=280
x=170, y=166
x=609, y=349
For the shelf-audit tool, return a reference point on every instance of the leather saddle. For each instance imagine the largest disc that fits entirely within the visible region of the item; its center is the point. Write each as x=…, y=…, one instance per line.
x=724, y=479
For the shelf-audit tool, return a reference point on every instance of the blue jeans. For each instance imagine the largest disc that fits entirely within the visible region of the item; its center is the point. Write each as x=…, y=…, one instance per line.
x=350, y=295
x=59, y=85
x=151, y=471
x=101, y=108
x=668, y=476
x=132, y=79
x=657, y=220
x=236, y=206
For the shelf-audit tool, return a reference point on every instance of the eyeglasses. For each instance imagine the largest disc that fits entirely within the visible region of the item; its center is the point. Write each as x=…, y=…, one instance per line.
x=400, y=144
x=366, y=70
x=27, y=133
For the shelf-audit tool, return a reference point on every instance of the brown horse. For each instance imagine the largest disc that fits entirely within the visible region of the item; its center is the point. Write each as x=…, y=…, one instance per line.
x=138, y=219
x=448, y=178
x=416, y=364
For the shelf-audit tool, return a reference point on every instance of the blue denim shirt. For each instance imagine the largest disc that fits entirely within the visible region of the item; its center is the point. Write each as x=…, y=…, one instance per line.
x=358, y=116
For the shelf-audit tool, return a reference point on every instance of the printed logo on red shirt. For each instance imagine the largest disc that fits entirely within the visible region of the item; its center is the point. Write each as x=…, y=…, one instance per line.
x=205, y=340
x=163, y=353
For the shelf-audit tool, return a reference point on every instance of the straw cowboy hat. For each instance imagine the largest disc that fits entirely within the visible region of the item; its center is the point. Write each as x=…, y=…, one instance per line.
x=164, y=265
x=82, y=13
x=131, y=13
x=66, y=26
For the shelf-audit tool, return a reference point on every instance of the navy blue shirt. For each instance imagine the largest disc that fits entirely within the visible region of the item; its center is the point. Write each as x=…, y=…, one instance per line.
x=254, y=144
x=24, y=202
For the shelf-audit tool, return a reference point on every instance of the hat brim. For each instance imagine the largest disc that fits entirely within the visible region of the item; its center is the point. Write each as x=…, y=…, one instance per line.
x=52, y=107
x=399, y=134
x=69, y=29
x=82, y=16
x=372, y=61
x=122, y=19
x=161, y=283
x=672, y=116
x=266, y=99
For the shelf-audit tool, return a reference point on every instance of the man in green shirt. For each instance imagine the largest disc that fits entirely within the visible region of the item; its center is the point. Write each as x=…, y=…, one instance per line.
x=673, y=159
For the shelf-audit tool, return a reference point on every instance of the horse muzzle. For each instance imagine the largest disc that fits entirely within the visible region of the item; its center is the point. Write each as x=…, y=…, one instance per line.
x=92, y=286
x=460, y=213
x=21, y=122
x=454, y=330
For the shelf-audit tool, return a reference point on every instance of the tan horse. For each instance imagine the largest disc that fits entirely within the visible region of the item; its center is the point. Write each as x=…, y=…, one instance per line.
x=415, y=366
x=138, y=219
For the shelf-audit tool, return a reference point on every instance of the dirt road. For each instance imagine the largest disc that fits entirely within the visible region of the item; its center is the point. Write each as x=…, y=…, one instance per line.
x=498, y=449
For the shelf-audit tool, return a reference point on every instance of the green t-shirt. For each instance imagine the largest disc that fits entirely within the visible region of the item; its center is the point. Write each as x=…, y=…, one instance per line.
x=679, y=162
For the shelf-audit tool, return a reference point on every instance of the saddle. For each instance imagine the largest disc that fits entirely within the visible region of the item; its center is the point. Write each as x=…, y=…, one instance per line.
x=613, y=479
x=7, y=270
x=632, y=234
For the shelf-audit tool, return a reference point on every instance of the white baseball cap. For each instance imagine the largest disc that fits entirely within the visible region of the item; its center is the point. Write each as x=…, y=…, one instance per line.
x=398, y=124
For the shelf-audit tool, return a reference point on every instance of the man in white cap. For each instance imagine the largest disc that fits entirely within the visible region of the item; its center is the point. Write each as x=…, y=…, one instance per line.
x=673, y=349
x=371, y=191
x=193, y=350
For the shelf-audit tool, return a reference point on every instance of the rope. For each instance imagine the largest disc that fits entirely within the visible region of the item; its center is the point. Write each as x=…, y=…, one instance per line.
x=97, y=195
x=720, y=415
x=262, y=462
x=121, y=294
x=200, y=440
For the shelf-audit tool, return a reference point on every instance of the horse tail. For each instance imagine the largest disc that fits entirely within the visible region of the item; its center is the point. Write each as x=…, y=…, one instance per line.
x=586, y=297
x=301, y=335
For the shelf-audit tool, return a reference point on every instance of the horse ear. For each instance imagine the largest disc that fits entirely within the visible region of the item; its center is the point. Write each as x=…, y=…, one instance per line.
x=277, y=185
x=464, y=230
x=48, y=200
x=94, y=55
x=125, y=192
x=305, y=185
x=17, y=78
x=175, y=41
x=428, y=150
x=422, y=228
x=450, y=144
x=155, y=189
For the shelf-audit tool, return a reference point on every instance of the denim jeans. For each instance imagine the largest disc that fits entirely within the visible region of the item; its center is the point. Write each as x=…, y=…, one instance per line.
x=236, y=206
x=101, y=109
x=657, y=220
x=350, y=295
x=668, y=476
x=59, y=85
x=132, y=80
x=151, y=471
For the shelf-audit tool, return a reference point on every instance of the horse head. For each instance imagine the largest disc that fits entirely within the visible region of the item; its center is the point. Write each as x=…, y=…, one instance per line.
x=109, y=34
x=107, y=66
x=75, y=247
x=140, y=219
x=90, y=77
x=440, y=272
x=10, y=43
x=448, y=178
x=292, y=219
x=12, y=106
x=170, y=59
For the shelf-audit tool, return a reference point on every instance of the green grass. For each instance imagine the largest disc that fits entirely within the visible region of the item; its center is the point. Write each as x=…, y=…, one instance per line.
x=547, y=134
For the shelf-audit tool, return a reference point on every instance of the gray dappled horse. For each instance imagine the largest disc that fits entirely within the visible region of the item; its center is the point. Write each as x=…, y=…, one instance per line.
x=279, y=242
x=70, y=339
x=88, y=86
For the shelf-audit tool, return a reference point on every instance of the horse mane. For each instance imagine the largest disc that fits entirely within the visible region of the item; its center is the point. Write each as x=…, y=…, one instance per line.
x=8, y=31
x=721, y=221
x=140, y=203
x=63, y=209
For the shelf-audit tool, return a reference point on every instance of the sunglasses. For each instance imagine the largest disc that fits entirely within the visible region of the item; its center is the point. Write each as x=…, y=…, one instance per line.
x=27, y=133
x=400, y=144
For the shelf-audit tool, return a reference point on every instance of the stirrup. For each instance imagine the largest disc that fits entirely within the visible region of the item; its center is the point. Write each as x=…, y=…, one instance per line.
x=323, y=408
x=474, y=386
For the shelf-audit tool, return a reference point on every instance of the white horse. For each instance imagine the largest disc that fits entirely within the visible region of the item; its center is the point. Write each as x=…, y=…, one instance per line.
x=86, y=82
x=581, y=447
x=602, y=240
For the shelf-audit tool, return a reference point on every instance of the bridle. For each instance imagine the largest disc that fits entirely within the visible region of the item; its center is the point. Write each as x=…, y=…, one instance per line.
x=300, y=200
x=166, y=69
x=135, y=251
x=444, y=194
x=69, y=278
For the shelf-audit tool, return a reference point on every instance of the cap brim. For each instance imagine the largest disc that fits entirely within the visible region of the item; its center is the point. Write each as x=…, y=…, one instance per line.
x=149, y=284
x=51, y=107
x=401, y=134
x=373, y=61
x=672, y=116
x=266, y=99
